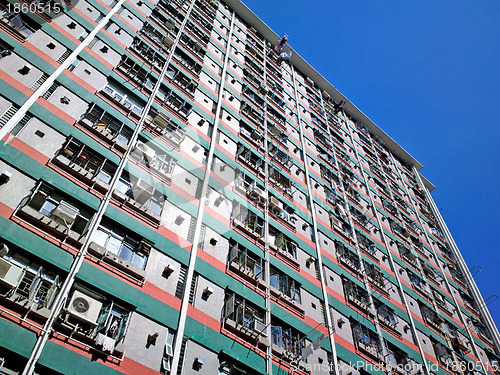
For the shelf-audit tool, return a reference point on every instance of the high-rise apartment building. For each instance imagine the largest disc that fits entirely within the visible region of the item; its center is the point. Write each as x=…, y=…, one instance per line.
x=180, y=194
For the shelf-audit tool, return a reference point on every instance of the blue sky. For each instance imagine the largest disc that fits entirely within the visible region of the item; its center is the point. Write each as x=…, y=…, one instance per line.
x=427, y=74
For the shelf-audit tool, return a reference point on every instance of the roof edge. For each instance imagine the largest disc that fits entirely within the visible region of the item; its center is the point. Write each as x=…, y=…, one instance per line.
x=301, y=64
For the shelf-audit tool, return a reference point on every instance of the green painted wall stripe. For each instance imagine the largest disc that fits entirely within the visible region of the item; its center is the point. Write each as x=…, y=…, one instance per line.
x=34, y=244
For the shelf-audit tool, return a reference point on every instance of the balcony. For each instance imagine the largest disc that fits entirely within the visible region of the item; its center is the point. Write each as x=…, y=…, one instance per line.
x=399, y=363
x=433, y=319
x=246, y=264
x=121, y=249
x=280, y=182
x=187, y=62
x=323, y=139
x=134, y=73
x=348, y=258
x=341, y=227
x=254, y=136
x=85, y=164
x=172, y=101
x=26, y=286
x=287, y=343
x=182, y=81
x=51, y=213
x=94, y=321
x=388, y=318
x=160, y=38
x=418, y=284
x=279, y=156
x=254, y=97
x=107, y=128
x=154, y=161
x=246, y=321
x=18, y=25
x=252, y=114
x=285, y=248
x=148, y=54
x=248, y=222
x=249, y=159
x=160, y=123
x=202, y=21
x=139, y=196
x=376, y=277
x=127, y=103
x=367, y=342
x=282, y=213
x=285, y=291
x=196, y=48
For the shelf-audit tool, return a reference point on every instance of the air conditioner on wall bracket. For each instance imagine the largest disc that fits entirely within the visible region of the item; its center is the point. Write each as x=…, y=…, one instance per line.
x=66, y=212
x=9, y=273
x=84, y=308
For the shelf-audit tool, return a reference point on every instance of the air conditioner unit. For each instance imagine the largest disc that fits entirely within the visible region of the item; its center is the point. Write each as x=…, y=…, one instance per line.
x=147, y=151
x=404, y=231
x=162, y=120
x=441, y=351
x=84, y=308
x=142, y=186
x=259, y=327
x=257, y=194
x=168, y=42
x=412, y=254
x=66, y=212
x=426, y=268
x=256, y=135
x=275, y=204
x=9, y=273
x=170, y=24
x=375, y=270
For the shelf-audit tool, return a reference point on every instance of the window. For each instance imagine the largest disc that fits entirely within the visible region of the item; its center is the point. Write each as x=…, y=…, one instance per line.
x=248, y=221
x=92, y=165
x=117, y=242
x=106, y=124
x=168, y=353
x=46, y=205
x=155, y=159
x=120, y=96
x=399, y=359
x=246, y=262
x=365, y=243
x=20, y=23
x=385, y=314
x=148, y=200
x=243, y=316
x=347, y=257
x=288, y=338
x=32, y=285
x=146, y=52
x=134, y=71
x=92, y=315
x=356, y=295
x=418, y=283
x=285, y=245
x=285, y=284
x=366, y=340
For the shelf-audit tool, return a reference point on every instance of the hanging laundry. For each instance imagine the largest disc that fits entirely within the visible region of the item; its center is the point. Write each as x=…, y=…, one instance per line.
x=285, y=56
